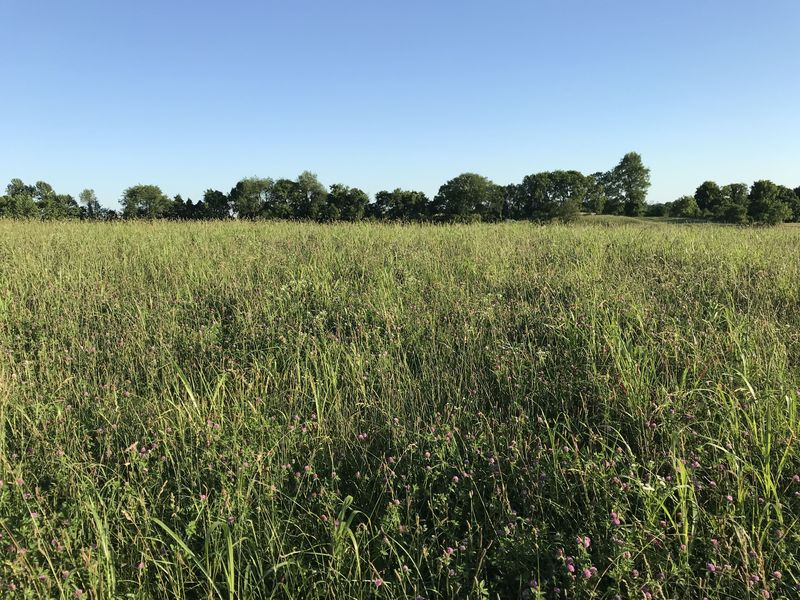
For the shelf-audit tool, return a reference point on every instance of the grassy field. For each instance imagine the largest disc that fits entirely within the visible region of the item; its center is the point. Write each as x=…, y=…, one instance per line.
x=488, y=411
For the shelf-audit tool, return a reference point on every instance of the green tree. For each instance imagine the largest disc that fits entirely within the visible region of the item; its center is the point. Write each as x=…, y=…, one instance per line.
x=310, y=198
x=510, y=195
x=19, y=201
x=64, y=206
x=685, y=206
x=735, y=202
x=710, y=200
x=90, y=205
x=788, y=197
x=180, y=209
x=797, y=200
x=569, y=190
x=614, y=204
x=218, y=205
x=765, y=204
x=555, y=195
x=658, y=210
x=626, y=186
x=145, y=202
x=531, y=197
x=594, y=199
x=196, y=211
x=54, y=206
x=400, y=205
x=249, y=197
x=347, y=203
x=284, y=199
x=469, y=197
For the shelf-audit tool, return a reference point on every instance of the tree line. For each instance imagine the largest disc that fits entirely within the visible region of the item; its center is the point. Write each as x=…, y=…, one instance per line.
x=544, y=196
x=763, y=202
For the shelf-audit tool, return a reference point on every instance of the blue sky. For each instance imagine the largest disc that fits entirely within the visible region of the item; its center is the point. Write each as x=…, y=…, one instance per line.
x=192, y=95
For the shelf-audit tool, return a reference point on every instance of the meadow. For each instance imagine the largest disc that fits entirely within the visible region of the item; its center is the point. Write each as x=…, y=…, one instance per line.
x=607, y=409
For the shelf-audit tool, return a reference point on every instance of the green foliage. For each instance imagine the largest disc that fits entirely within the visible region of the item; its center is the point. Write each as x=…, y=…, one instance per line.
x=791, y=200
x=766, y=206
x=552, y=196
x=735, y=203
x=710, y=200
x=19, y=201
x=310, y=197
x=90, y=205
x=594, y=199
x=546, y=196
x=467, y=197
x=685, y=206
x=217, y=204
x=284, y=410
x=347, y=204
x=661, y=209
x=626, y=186
x=145, y=202
x=399, y=205
x=54, y=206
x=283, y=199
x=250, y=197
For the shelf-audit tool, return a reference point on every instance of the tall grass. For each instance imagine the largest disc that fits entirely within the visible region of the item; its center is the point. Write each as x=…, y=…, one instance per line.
x=372, y=411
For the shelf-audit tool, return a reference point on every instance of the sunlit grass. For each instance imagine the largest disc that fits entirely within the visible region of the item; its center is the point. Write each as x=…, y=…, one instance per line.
x=303, y=411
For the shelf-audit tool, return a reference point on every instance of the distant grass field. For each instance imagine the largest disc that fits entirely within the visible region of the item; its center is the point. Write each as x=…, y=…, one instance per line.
x=487, y=411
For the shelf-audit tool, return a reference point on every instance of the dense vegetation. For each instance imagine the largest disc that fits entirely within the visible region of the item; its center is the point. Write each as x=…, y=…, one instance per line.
x=545, y=196
x=373, y=411
x=764, y=202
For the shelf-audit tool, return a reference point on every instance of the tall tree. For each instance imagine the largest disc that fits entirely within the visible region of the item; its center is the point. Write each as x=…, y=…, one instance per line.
x=627, y=184
x=594, y=199
x=284, y=199
x=765, y=204
x=468, y=196
x=90, y=204
x=54, y=206
x=554, y=195
x=311, y=197
x=218, y=205
x=685, y=206
x=710, y=200
x=196, y=211
x=532, y=198
x=788, y=197
x=614, y=204
x=735, y=202
x=510, y=196
x=179, y=209
x=145, y=202
x=569, y=189
x=347, y=203
x=248, y=198
x=400, y=205
x=20, y=203
x=797, y=196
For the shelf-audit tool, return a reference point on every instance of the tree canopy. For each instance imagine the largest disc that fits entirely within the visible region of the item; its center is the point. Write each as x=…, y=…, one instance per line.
x=468, y=197
x=147, y=201
x=559, y=195
x=626, y=185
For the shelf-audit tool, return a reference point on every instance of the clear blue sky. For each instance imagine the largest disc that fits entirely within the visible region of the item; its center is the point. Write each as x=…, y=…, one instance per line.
x=192, y=95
